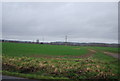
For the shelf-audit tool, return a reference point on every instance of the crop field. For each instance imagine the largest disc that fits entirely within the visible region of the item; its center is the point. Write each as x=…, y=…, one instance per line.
x=42, y=61
x=22, y=49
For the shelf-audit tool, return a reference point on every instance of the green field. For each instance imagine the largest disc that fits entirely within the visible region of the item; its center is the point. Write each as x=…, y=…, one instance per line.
x=42, y=61
x=22, y=49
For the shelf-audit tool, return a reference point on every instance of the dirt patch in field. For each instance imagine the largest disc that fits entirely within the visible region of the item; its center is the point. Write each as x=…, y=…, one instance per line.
x=108, y=52
x=92, y=50
x=112, y=54
x=90, y=53
x=42, y=56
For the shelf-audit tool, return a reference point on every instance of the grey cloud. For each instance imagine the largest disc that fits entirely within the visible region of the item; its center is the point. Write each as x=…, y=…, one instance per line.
x=0, y=20
x=92, y=22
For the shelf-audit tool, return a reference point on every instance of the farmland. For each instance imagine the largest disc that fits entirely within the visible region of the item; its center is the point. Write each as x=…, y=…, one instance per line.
x=42, y=61
x=39, y=49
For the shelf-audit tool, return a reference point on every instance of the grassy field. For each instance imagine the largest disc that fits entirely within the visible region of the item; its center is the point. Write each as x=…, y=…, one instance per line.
x=22, y=49
x=31, y=61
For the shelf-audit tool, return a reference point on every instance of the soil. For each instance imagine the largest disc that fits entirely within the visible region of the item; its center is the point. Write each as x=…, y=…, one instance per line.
x=112, y=54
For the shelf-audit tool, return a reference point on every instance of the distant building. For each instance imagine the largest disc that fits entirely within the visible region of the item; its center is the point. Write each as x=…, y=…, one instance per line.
x=37, y=41
x=64, y=43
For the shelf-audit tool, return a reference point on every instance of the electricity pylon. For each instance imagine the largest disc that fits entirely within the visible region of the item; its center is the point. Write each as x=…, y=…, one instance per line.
x=66, y=38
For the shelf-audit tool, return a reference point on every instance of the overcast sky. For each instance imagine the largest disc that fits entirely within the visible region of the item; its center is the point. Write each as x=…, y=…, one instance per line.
x=51, y=21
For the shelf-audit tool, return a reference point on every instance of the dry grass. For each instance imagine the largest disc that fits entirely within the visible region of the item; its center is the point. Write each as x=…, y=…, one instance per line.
x=74, y=69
